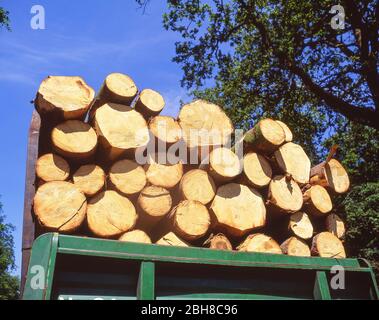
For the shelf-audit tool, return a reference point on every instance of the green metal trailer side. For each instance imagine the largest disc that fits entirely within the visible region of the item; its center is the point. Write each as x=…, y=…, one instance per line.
x=69, y=267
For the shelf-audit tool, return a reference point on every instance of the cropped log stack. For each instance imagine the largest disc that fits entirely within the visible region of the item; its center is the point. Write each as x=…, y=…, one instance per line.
x=91, y=180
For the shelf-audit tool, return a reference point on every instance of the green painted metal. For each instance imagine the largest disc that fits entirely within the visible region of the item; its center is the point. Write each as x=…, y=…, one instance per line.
x=146, y=281
x=41, y=268
x=321, y=289
x=164, y=272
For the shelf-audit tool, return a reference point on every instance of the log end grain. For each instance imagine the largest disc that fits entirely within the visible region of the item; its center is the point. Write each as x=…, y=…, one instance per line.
x=165, y=129
x=260, y=243
x=287, y=131
x=149, y=103
x=224, y=164
x=171, y=239
x=90, y=179
x=335, y=225
x=318, y=201
x=155, y=201
x=300, y=225
x=137, y=236
x=327, y=245
x=295, y=247
x=51, y=167
x=119, y=88
x=257, y=170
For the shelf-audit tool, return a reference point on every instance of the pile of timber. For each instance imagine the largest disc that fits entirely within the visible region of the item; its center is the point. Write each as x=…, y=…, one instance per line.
x=91, y=180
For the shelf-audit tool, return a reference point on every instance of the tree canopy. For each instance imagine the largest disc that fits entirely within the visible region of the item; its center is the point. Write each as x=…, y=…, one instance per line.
x=4, y=18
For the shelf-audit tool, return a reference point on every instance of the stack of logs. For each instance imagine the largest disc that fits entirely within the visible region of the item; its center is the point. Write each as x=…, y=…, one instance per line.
x=91, y=184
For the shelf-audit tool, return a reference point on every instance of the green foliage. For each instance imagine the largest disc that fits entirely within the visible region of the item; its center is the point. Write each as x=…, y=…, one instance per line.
x=4, y=18
x=8, y=284
x=361, y=212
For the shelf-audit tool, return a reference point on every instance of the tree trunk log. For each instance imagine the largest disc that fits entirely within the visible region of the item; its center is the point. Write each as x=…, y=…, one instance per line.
x=60, y=206
x=171, y=239
x=118, y=88
x=287, y=131
x=260, y=243
x=137, y=236
x=300, y=225
x=238, y=209
x=257, y=170
x=327, y=245
x=218, y=242
x=295, y=247
x=284, y=195
x=121, y=130
x=90, y=179
x=149, y=103
x=109, y=214
x=317, y=201
x=166, y=131
x=75, y=140
x=335, y=225
x=127, y=177
x=51, y=167
x=197, y=185
x=64, y=98
x=266, y=136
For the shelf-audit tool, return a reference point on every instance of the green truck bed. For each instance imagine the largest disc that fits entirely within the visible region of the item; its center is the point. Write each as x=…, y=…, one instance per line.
x=75, y=268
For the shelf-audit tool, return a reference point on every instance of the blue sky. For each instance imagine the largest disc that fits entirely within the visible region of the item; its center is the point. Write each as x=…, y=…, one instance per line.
x=90, y=38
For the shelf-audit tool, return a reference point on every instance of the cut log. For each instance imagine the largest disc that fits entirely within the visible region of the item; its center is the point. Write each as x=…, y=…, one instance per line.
x=138, y=236
x=171, y=239
x=165, y=129
x=331, y=175
x=51, y=167
x=204, y=124
x=224, y=165
x=127, y=177
x=317, y=201
x=300, y=225
x=64, y=97
x=327, y=245
x=154, y=203
x=197, y=185
x=218, y=242
x=60, y=206
x=149, y=103
x=284, y=195
x=295, y=247
x=118, y=88
x=121, y=130
x=257, y=170
x=266, y=136
x=238, y=209
x=259, y=243
x=161, y=173
x=335, y=225
x=90, y=179
x=75, y=140
x=287, y=131
x=191, y=220
x=293, y=161
x=109, y=214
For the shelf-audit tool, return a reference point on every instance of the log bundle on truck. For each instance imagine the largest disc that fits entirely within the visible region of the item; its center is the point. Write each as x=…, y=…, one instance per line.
x=110, y=165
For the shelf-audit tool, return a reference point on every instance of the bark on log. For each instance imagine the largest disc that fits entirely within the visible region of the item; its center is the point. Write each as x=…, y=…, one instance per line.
x=197, y=185
x=257, y=170
x=64, y=98
x=137, y=236
x=238, y=209
x=51, y=167
x=60, y=206
x=331, y=175
x=293, y=161
x=284, y=195
x=300, y=225
x=327, y=245
x=287, y=131
x=149, y=103
x=166, y=130
x=127, y=177
x=90, y=179
x=190, y=220
x=204, y=124
x=109, y=214
x=171, y=239
x=266, y=136
x=121, y=130
x=335, y=225
x=153, y=203
x=295, y=247
x=218, y=242
x=162, y=173
x=317, y=201
x=75, y=140
x=260, y=243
